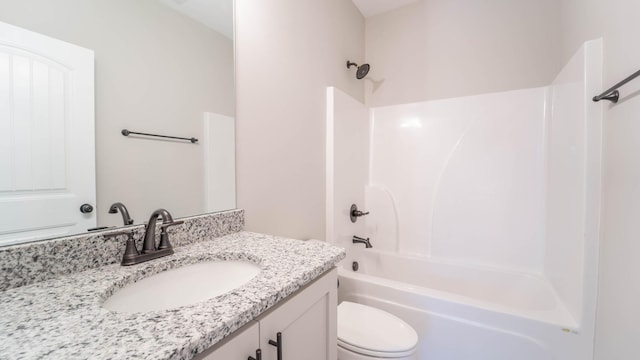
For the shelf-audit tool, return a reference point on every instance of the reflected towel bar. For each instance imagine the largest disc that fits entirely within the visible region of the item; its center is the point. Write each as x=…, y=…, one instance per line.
x=613, y=94
x=126, y=132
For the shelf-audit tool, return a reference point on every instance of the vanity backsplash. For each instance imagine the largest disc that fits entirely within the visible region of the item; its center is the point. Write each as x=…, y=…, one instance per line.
x=34, y=262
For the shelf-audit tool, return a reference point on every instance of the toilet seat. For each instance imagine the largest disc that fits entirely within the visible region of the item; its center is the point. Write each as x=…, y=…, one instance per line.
x=375, y=354
x=373, y=332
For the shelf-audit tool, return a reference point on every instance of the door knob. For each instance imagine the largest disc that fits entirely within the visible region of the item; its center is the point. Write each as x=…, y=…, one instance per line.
x=86, y=208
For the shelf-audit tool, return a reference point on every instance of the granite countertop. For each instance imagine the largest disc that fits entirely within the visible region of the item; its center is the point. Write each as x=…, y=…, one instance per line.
x=63, y=318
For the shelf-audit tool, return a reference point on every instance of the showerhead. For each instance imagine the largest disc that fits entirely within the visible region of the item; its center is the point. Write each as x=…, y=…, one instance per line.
x=362, y=71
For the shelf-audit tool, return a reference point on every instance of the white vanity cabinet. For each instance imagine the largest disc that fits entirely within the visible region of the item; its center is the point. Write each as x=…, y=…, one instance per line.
x=305, y=325
x=242, y=344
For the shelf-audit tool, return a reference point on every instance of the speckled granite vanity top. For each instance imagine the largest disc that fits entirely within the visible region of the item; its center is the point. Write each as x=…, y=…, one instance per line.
x=62, y=318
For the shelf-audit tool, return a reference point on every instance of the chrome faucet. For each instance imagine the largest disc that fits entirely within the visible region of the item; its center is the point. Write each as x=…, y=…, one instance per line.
x=149, y=249
x=366, y=241
x=123, y=210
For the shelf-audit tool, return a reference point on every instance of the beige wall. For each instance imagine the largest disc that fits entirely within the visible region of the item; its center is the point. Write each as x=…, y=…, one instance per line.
x=617, y=330
x=288, y=51
x=156, y=71
x=437, y=49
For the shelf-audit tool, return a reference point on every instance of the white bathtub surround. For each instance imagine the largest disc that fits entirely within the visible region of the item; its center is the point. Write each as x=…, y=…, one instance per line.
x=454, y=326
x=63, y=318
x=573, y=182
x=475, y=161
x=347, y=171
x=484, y=215
x=519, y=294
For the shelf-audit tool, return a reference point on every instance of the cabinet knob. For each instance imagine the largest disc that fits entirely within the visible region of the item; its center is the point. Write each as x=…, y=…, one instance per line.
x=277, y=344
x=258, y=355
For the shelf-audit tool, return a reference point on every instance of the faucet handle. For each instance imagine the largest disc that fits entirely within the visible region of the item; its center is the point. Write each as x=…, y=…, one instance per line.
x=130, y=252
x=354, y=213
x=164, y=235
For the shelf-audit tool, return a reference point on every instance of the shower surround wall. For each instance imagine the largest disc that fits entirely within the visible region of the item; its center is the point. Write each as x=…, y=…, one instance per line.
x=503, y=182
x=346, y=174
x=466, y=176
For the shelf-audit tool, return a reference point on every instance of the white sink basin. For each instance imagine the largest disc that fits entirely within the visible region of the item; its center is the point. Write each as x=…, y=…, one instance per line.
x=182, y=286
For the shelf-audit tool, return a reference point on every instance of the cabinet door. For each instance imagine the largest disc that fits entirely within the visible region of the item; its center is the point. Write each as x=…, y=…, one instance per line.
x=307, y=323
x=239, y=346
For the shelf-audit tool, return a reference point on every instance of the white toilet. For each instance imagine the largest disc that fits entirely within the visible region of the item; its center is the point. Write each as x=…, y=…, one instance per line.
x=366, y=333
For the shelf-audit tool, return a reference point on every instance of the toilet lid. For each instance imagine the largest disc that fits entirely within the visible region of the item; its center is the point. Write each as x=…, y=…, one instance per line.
x=365, y=329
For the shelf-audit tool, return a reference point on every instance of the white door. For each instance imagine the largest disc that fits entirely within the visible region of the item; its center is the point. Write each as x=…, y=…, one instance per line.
x=47, y=156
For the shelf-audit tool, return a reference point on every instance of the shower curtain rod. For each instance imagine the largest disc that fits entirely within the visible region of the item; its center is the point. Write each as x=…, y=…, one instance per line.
x=613, y=94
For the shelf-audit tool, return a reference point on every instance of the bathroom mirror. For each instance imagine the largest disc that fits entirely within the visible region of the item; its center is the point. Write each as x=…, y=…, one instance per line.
x=161, y=67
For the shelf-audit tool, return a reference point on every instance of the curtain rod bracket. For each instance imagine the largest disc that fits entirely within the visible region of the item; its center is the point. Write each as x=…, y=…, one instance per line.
x=613, y=94
x=613, y=97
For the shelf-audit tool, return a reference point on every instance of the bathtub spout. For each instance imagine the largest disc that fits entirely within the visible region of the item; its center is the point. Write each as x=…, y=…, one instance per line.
x=366, y=241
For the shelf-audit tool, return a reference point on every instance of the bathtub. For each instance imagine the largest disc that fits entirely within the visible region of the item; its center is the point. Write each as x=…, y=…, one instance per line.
x=462, y=312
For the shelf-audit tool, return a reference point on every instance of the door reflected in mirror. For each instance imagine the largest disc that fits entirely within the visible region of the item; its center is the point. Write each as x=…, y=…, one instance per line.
x=159, y=67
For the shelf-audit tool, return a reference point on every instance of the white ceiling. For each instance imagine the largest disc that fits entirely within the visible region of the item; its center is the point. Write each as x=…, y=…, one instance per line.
x=218, y=14
x=215, y=14
x=375, y=7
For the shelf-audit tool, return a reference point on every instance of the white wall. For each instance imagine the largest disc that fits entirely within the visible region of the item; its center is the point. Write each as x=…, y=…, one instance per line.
x=156, y=71
x=466, y=176
x=617, y=330
x=437, y=49
x=288, y=52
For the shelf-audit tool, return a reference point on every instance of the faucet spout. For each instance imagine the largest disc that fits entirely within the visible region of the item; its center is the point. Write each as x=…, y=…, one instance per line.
x=149, y=243
x=359, y=240
x=149, y=249
x=123, y=210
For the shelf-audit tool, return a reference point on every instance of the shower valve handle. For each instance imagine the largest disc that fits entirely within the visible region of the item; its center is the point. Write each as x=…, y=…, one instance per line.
x=354, y=213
